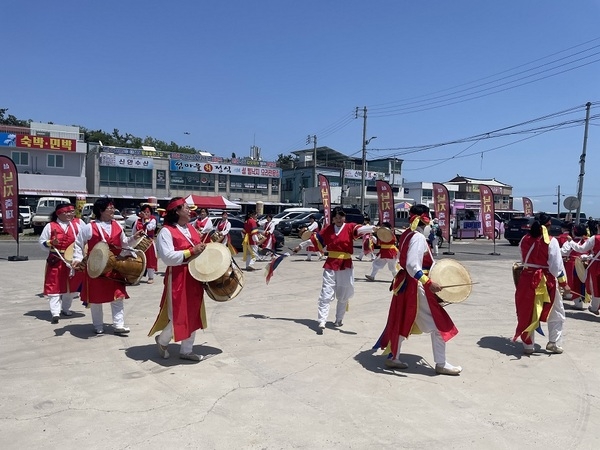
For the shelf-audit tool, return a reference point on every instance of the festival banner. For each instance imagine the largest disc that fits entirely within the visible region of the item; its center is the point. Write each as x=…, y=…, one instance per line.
x=527, y=207
x=326, y=199
x=385, y=199
x=441, y=206
x=9, y=196
x=488, y=219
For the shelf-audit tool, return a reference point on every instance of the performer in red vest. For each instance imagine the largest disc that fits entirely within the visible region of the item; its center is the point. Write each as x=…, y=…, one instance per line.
x=592, y=282
x=182, y=303
x=146, y=223
x=537, y=298
x=250, y=242
x=569, y=255
x=338, y=272
x=414, y=306
x=388, y=255
x=203, y=225
x=61, y=283
x=109, y=288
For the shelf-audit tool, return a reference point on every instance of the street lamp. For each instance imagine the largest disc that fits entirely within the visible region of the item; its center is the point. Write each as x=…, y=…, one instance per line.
x=364, y=164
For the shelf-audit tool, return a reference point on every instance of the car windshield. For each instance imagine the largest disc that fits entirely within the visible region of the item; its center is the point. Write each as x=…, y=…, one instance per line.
x=45, y=210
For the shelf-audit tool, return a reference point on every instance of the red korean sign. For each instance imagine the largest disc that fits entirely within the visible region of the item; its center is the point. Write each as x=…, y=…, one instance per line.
x=45, y=143
x=488, y=219
x=325, y=198
x=441, y=205
x=385, y=199
x=527, y=207
x=9, y=196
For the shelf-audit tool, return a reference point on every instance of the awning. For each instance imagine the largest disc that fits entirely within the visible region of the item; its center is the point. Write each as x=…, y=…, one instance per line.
x=404, y=206
x=211, y=202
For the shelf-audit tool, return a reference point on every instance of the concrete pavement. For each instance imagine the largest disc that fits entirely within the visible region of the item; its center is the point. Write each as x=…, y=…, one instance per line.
x=271, y=382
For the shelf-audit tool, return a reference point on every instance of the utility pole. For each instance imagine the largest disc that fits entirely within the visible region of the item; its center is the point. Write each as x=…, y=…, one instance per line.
x=314, y=140
x=588, y=105
x=558, y=203
x=364, y=158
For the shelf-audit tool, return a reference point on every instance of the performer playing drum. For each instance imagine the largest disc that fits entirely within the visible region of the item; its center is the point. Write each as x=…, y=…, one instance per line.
x=415, y=306
x=203, y=225
x=97, y=291
x=61, y=283
x=570, y=256
x=147, y=223
x=269, y=234
x=182, y=304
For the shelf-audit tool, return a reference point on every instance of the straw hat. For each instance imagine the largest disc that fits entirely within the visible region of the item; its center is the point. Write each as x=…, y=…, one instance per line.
x=97, y=260
x=212, y=263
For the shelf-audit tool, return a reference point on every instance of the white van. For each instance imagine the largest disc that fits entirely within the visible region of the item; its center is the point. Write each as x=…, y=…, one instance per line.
x=43, y=211
x=288, y=214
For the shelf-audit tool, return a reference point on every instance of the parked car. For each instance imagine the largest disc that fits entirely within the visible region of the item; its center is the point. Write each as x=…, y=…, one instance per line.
x=237, y=226
x=287, y=214
x=126, y=212
x=43, y=211
x=517, y=227
x=26, y=214
x=20, y=224
x=291, y=226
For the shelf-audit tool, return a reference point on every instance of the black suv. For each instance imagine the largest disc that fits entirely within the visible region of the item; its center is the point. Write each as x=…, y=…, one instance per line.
x=517, y=227
x=288, y=227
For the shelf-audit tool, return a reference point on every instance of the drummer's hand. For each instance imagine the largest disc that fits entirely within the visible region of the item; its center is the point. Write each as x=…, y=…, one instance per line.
x=567, y=289
x=197, y=249
x=434, y=287
x=296, y=249
x=138, y=234
x=76, y=265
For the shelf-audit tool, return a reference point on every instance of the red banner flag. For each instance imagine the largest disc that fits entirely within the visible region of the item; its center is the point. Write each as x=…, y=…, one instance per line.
x=9, y=196
x=527, y=207
x=385, y=198
x=441, y=206
x=325, y=198
x=488, y=218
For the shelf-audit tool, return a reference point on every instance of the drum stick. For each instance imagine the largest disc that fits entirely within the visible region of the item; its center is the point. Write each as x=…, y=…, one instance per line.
x=456, y=285
x=61, y=257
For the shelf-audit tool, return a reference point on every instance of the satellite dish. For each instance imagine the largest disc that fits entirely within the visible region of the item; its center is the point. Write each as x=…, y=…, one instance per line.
x=571, y=203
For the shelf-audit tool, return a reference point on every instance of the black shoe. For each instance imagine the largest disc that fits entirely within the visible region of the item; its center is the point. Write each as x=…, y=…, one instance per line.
x=55, y=319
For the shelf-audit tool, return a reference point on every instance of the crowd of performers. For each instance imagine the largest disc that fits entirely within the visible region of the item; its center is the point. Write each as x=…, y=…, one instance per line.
x=548, y=267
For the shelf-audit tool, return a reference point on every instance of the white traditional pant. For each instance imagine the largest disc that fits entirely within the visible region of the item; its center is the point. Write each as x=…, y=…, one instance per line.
x=336, y=284
x=60, y=302
x=251, y=255
x=165, y=336
x=118, y=314
x=426, y=324
x=380, y=263
x=151, y=273
x=556, y=320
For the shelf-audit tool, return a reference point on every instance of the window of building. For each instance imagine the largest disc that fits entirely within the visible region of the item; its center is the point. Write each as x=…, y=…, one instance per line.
x=254, y=185
x=193, y=180
x=161, y=179
x=124, y=176
x=427, y=194
x=56, y=161
x=274, y=185
x=223, y=183
x=20, y=158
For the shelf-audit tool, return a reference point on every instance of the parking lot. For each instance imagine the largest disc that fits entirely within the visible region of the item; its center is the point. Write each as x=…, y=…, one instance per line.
x=271, y=382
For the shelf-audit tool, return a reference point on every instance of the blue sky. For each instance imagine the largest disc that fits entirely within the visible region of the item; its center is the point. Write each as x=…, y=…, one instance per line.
x=268, y=73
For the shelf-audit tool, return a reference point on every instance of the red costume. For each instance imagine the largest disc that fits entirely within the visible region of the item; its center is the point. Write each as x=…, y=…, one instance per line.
x=339, y=246
x=404, y=306
x=199, y=224
x=539, y=265
x=57, y=279
x=151, y=258
x=108, y=287
x=186, y=293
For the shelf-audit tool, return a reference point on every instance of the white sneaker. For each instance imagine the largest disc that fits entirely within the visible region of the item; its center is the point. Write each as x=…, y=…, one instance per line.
x=447, y=369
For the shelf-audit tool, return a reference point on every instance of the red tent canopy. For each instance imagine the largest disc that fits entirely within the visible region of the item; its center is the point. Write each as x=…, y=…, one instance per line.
x=211, y=202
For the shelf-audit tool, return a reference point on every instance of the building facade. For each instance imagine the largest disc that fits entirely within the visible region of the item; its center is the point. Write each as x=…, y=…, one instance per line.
x=50, y=160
